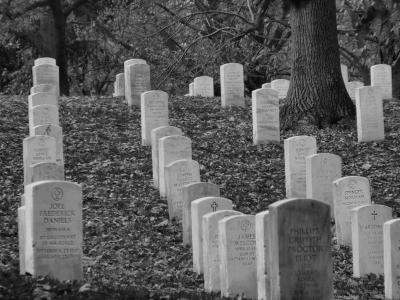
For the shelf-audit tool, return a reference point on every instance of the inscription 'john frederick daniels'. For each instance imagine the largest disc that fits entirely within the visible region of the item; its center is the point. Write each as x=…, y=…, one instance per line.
x=54, y=229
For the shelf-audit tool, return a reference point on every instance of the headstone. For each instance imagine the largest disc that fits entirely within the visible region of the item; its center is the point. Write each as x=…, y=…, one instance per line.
x=262, y=254
x=232, y=85
x=351, y=88
x=45, y=61
x=191, y=89
x=45, y=171
x=42, y=98
x=199, y=208
x=170, y=149
x=156, y=134
x=42, y=115
x=137, y=79
x=369, y=109
x=204, y=86
x=127, y=63
x=119, y=90
x=56, y=132
x=46, y=74
x=44, y=88
x=191, y=192
x=297, y=148
x=36, y=149
x=237, y=251
x=21, y=239
x=345, y=73
x=321, y=170
x=210, y=239
x=282, y=86
x=154, y=113
x=381, y=75
x=53, y=220
x=265, y=111
x=300, y=250
x=391, y=259
x=178, y=174
x=367, y=238
x=348, y=193
x=266, y=85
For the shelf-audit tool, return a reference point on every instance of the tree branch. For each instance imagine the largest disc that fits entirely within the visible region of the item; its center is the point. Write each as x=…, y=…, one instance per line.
x=74, y=6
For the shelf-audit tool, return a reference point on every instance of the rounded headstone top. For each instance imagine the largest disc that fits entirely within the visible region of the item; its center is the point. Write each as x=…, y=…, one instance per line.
x=45, y=61
x=134, y=61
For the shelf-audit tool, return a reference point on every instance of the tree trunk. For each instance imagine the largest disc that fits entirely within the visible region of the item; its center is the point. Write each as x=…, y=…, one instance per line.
x=317, y=92
x=60, y=21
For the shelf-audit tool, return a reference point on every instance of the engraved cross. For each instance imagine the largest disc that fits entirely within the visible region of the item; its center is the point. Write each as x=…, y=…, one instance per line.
x=214, y=206
x=374, y=214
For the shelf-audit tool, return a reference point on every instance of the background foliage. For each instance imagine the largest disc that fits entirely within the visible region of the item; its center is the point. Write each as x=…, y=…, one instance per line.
x=184, y=39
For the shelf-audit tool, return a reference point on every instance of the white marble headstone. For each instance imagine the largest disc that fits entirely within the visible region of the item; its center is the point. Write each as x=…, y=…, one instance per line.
x=282, y=86
x=119, y=90
x=55, y=132
x=42, y=115
x=42, y=98
x=232, y=85
x=199, y=208
x=127, y=77
x=178, y=174
x=381, y=75
x=321, y=170
x=36, y=149
x=262, y=254
x=138, y=80
x=367, y=238
x=191, y=192
x=46, y=74
x=345, y=72
x=351, y=88
x=265, y=112
x=348, y=193
x=204, y=86
x=171, y=148
x=210, y=239
x=156, y=134
x=153, y=113
x=44, y=88
x=369, y=108
x=391, y=259
x=297, y=148
x=300, y=257
x=53, y=220
x=237, y=252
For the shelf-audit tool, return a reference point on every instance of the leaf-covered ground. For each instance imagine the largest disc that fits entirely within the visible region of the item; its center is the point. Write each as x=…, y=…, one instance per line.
x=130, y=249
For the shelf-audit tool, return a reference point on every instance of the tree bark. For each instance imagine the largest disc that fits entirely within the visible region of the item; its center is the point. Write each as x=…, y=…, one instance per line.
x=317, y=92
x=60, y=21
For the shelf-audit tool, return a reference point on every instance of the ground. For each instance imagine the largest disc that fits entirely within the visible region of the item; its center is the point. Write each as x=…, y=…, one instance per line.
x=130, y=249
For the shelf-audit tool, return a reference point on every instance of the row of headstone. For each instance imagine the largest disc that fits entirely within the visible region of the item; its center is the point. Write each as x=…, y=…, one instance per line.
x=232, y=85
x=50, y=215
x=133, y=82
x=381, y=76
x=119, y=85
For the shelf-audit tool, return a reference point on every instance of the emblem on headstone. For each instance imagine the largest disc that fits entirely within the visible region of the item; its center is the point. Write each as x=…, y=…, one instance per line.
x=374, y=214
x=48, y=130
x=352, y=184
x=57, y=194
x=245, y=225
x=214, y=206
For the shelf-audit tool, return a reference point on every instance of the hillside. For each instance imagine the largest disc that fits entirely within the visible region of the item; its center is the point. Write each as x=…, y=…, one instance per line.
x=130, y=249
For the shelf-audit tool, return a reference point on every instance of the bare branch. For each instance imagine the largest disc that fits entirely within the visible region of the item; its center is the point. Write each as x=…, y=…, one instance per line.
x=74, y=6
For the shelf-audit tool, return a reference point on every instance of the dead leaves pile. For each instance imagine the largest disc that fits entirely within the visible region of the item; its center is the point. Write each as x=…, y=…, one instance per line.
x=131, y=251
